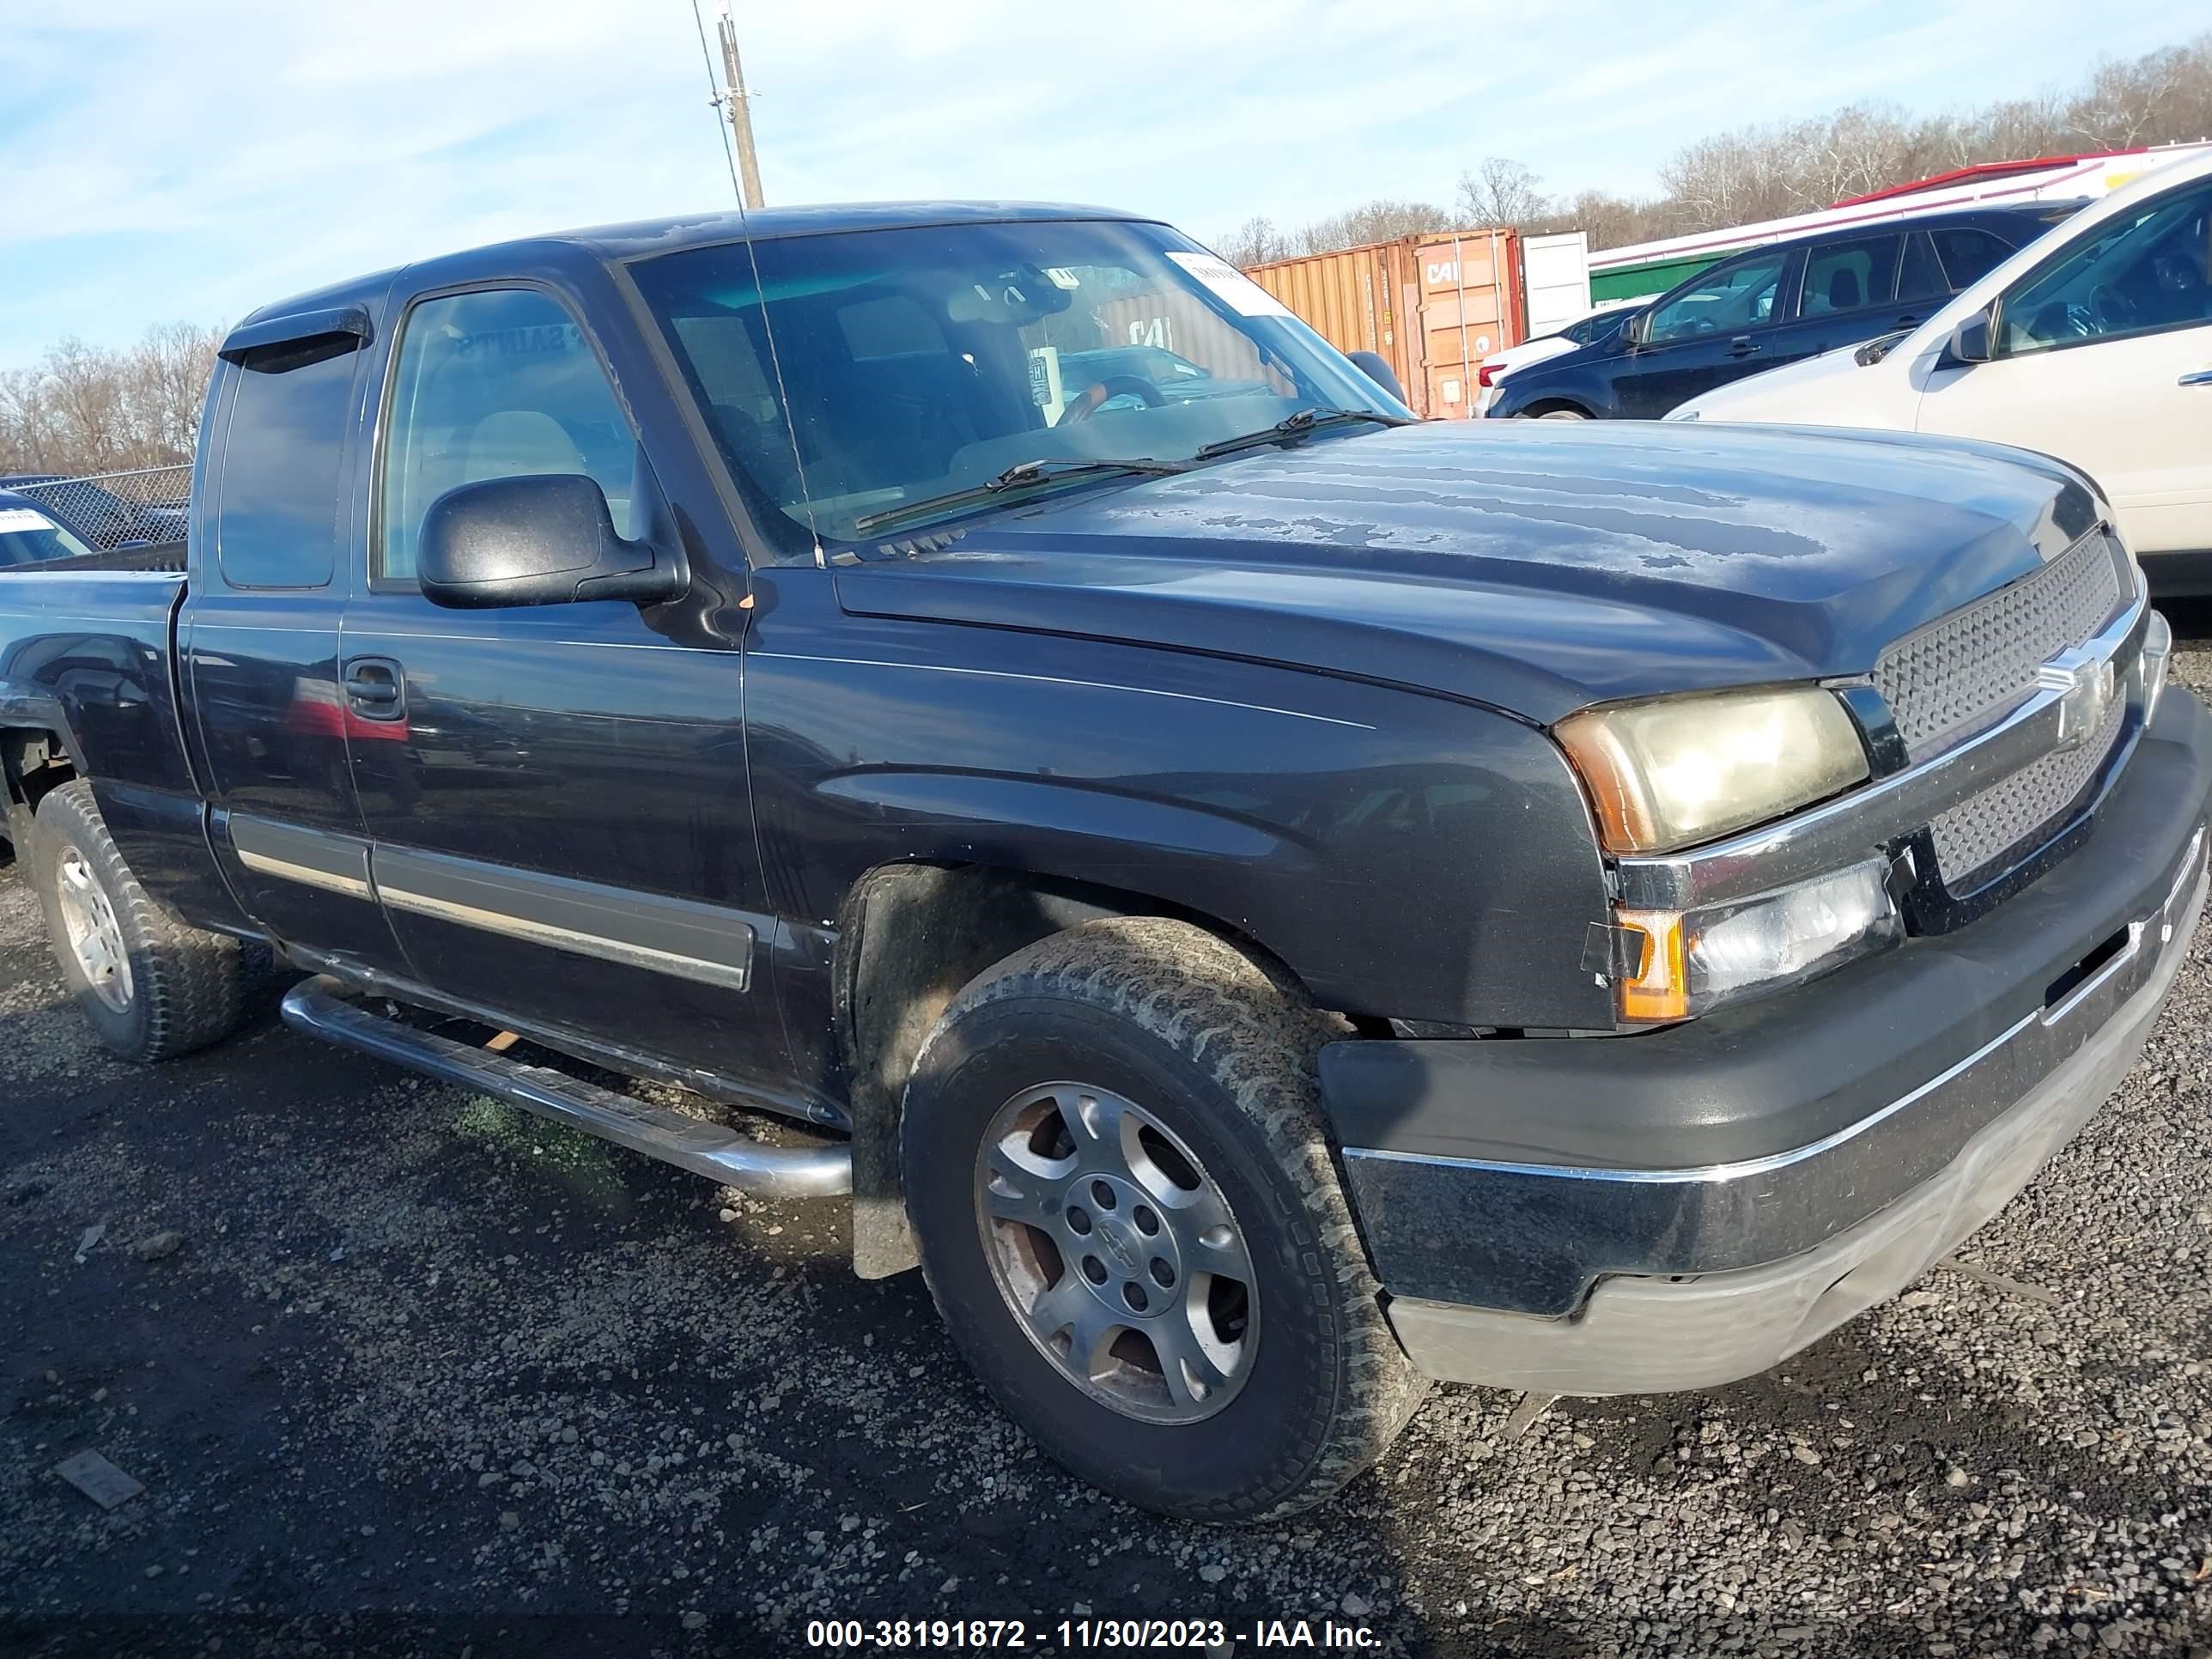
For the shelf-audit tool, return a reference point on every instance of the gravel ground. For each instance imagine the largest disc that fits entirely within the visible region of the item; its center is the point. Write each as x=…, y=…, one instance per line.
x=404, y=1371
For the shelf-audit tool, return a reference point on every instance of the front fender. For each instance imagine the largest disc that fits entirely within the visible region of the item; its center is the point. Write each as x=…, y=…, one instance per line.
x=1404, y=854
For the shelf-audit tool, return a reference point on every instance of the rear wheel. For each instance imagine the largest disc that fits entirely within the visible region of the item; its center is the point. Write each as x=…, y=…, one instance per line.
x=1128, y=1213
x=1562, y=415
x=152, y=988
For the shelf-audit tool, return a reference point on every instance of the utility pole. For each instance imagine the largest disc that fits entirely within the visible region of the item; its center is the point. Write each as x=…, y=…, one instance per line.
x=734, y=101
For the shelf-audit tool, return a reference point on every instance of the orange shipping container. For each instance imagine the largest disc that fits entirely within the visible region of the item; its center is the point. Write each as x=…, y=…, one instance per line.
x=1432, y=306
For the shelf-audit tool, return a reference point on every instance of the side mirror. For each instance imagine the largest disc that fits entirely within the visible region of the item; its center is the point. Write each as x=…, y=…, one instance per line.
x=1636, y=330
x=1376, y=368
x=1969, y=341
x=546, y=539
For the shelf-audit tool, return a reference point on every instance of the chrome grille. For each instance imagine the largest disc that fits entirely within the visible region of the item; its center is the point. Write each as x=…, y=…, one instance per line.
x=1968, y=669
x=1978, y=833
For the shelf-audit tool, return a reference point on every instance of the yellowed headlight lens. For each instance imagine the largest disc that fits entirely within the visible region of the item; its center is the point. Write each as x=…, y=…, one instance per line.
x=1679, y=770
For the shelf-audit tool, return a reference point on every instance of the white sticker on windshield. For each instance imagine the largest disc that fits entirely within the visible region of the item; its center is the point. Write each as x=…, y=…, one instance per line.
x=1245, y=297
x=14, y=518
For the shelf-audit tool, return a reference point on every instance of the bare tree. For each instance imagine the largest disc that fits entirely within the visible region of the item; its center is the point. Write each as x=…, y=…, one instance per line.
x=1378, y=220
x=1254, y=242
x=1258, y=241
x=1770, y=172
x=87, y=409
x=1499, y=191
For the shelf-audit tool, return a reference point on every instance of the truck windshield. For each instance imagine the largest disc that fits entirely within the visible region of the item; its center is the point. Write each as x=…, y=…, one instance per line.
x=857, y=375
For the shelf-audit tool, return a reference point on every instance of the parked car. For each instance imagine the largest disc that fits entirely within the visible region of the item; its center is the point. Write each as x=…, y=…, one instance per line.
x=95, y=512
x=1774, y=304
x=28, y=534
x=1268, y=908
x=1584, y=331
x=2093, y=345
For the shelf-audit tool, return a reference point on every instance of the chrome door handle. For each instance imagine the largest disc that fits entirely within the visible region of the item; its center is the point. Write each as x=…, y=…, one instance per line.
x=2201, y=377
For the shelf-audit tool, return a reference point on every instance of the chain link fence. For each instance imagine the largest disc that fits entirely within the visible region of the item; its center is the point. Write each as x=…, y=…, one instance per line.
x=112, y=512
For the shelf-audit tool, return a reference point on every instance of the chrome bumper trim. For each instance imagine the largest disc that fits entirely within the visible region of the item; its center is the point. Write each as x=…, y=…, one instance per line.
x=1852, y=826
x=2113, y=982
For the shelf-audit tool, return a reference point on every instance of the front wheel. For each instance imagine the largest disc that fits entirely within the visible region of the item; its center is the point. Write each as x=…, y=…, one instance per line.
x=152, y=988
x=1128, y=1213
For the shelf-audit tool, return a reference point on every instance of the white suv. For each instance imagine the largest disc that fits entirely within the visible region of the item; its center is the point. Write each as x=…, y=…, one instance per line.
x=2093, y=344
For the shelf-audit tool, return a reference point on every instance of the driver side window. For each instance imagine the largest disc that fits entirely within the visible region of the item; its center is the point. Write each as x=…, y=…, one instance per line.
x=1730, y=298
x=2141, y=273
x=497, y=384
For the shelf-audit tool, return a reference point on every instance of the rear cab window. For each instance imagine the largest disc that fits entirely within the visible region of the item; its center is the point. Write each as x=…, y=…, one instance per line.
x=276, y=507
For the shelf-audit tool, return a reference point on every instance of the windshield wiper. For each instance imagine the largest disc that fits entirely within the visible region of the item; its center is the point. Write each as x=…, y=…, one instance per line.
x=1050, y=469
x=1301, y=425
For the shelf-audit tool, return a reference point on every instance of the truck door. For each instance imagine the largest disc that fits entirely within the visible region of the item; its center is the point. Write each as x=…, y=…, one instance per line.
x=565, y=836
x=259, y=639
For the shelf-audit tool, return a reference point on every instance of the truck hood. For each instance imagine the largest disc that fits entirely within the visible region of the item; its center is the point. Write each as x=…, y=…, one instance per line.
x=1536, y=566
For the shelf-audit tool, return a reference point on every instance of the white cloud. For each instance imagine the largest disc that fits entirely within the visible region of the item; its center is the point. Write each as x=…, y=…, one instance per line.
x=165, y=161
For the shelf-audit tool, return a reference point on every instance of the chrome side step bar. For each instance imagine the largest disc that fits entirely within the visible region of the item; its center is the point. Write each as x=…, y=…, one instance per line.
x=324, y=1008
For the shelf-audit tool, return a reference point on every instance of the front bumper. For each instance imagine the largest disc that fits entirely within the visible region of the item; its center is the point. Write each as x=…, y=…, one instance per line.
x=1679, y=1209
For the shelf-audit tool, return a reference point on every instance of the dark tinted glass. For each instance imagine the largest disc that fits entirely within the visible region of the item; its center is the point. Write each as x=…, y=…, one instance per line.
x=1845, y=275
x=1968, y=254
x=1921, y=278
x=277, y=514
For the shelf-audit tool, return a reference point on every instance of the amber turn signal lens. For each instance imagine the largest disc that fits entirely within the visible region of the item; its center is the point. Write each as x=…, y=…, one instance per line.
x=1661, y=989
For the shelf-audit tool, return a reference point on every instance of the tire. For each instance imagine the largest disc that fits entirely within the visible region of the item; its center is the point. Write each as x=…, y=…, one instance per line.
x=1562, y=415
x=167, y=990
x=1299, y=1384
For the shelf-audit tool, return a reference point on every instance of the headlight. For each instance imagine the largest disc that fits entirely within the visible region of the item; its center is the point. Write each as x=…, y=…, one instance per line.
x=1683, y=963
x=1680, y=414
x=1669, y=773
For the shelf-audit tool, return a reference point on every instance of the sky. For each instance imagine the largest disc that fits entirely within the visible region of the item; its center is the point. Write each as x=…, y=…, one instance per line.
x=160, y=162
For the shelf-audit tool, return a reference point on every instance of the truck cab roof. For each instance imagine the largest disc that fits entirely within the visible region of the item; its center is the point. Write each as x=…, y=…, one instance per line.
x=637, y=238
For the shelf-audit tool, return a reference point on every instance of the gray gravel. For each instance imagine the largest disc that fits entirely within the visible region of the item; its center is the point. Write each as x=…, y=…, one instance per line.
x=404, y=1372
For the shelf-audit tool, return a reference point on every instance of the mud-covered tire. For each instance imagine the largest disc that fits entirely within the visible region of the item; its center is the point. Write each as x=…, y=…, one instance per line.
x=186, y=987
x=1222, y=1058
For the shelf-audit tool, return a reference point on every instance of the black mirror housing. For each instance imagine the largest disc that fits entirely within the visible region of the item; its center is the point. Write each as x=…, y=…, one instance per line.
x=1970, y=341
x=539, y=539
x=1376, y=368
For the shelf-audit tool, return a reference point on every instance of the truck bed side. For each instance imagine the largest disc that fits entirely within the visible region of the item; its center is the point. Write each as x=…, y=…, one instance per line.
x=88, y=688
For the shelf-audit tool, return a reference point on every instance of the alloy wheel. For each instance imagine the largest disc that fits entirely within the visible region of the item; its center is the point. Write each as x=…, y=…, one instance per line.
x=1117, y=1253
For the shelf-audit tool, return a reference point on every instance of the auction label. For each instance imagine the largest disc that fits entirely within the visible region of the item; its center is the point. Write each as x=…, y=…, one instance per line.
x=1088, y=1635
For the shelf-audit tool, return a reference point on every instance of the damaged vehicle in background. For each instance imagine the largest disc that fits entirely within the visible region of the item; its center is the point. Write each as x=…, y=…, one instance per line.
x=1268, y=902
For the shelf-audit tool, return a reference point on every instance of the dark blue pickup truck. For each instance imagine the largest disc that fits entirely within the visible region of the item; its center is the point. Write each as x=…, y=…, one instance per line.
x=1268, y=901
